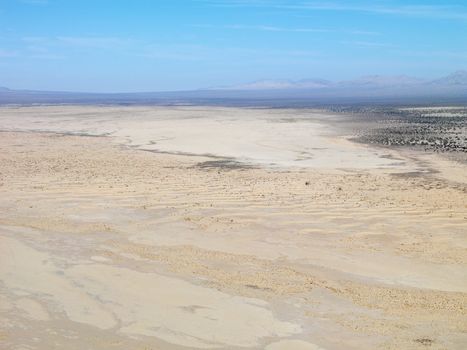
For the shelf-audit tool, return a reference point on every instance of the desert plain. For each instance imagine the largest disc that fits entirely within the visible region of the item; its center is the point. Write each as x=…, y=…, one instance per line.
x=184, y=227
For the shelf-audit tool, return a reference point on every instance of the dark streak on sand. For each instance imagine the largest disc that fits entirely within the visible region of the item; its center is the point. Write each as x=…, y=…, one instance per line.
x=224, y=164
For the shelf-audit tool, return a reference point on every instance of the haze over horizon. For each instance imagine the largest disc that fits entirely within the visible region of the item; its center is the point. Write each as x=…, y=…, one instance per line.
x=118, y=46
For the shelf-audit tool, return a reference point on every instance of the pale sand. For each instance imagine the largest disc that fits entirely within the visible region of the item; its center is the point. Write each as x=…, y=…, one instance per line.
x=111, y=247
x=259, y=136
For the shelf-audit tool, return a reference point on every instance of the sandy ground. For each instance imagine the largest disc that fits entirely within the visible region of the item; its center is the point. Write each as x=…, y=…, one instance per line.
x=267, y=230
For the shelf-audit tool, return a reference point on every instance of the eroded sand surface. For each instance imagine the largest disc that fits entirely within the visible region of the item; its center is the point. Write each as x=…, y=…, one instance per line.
x=332, y=245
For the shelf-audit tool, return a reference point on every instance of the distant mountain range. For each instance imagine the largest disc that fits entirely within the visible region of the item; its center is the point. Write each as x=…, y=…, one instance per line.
x=373, y=89
x=279, y=84
x=458, y=78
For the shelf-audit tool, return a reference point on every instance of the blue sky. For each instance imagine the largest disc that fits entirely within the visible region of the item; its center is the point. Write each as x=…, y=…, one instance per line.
x=151, y=45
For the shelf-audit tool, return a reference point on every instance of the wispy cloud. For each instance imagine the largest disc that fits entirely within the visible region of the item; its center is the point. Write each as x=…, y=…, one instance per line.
x=277, y=29
x=38, y=51
x=462, y=55
x=53, y=47
x=94, y=41
x=272, y=28
x=171, y=52
x=102, y=42
x=47, y=56
x=367, y=44
x=444, y=12
x=425, y=11
x=57, y=47
x=208, y=54
x=362, y=32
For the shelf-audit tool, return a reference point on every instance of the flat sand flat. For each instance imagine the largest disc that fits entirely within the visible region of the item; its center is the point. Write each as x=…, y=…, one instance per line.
x=223, y=228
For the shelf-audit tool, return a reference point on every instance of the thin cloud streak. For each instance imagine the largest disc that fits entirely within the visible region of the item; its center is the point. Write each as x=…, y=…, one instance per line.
x=206, y=53
x=367, y=44
x=37, y=46
x=363, y=32
x=44, y=47
x=271, y=28
x=440, y=12
x=423, y=11
x=94, y=42
x=445, y=54
x=277, y=29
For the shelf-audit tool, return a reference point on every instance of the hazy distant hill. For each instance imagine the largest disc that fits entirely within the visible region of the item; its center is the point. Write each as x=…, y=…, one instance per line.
x=278, y=84
x=456, y=78
x=382, y=81
x=374, y=89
